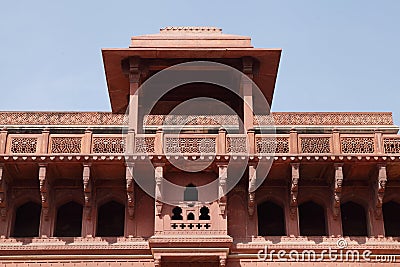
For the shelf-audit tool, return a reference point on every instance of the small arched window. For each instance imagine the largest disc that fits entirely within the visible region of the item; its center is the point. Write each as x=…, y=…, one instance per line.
x=354, y=219
x=69, y=220
x=312, y=219
x=271, y=219
x=190, y=216
x=177, y=213
x=111, y=219
x=27, y=220
x=391, y=218
x=191, y=193
x=204, y=213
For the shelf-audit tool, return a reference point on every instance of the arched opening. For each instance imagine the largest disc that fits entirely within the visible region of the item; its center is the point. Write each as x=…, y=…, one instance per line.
x=190, y=216
x=111, y=219
x=27, y=220
x=271, y=219
x=191, y=193
x=204, y=213
x=177, y=213
x=391, y=218
x=69, y=220
x=354, y=219
x=312, y=219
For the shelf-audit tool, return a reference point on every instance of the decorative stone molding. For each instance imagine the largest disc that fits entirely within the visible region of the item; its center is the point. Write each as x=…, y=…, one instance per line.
x=252, y=188
x=130, y=189
x=337, y=189
x=294, y=189
x=87, y=189
x=380, y=190
x=223, y=176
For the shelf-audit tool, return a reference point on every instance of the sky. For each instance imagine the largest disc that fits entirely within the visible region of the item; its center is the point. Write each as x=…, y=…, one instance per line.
x=340, y=55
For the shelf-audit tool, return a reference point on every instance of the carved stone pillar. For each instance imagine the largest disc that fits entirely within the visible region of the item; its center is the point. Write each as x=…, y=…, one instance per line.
x=45, y=141
x=134, y=83
x=158, y=190
x=221, y=144
x=87, y=222
x=45, y=223
x=293, y=226
x=223, y=176
x=293, y=146
x=130, y=194
x=3, y=202
x=3, y=140
x=378, y=228
x=87, y=142
x=337, y=189
x=251, y=202
x=247, y=89
x=335, y=224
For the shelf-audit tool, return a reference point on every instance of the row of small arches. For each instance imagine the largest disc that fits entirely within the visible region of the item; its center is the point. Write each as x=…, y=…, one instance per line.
x=177, y=214
x=110, y=220
x=312, y=219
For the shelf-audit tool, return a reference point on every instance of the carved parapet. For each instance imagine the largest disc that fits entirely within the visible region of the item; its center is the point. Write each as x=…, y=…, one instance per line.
x=294, y=189
x=380, y=187
x=87, y=190
x=43, y=186
x=130, y=190
x=337, y=189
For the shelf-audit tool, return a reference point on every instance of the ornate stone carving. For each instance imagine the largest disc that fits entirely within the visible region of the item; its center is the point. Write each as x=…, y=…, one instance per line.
x=87, y=190
x=337, y=189
x=23, y=145
x=357, y=145
x=391, y=145
x=269, y=145
x=294, y=189
x=325, y=118
x=380, y=190
x=252, y=188
x=236, y=145
x=108, y=145
x=144, y=145
x=222, y=176
x=315, y=144
x=43, y=186
x=130, y=189
x=66, y=145
x=189, y=145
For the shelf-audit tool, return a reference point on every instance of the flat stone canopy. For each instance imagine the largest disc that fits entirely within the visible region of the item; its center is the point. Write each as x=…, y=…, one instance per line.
x=188, y=44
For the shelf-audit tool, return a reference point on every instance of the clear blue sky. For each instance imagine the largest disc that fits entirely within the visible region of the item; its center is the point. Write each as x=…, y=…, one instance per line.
x=337, y=55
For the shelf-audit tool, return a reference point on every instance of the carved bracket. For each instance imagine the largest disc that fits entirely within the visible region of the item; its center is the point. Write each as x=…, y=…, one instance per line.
x=130, y=190
x=380, y=190
x=337, y=189
x=294, y=189
x=87, y=189
x=3, y=194
x=251, y=202
x=43, y=186
x=223, y=176
x=158, y=190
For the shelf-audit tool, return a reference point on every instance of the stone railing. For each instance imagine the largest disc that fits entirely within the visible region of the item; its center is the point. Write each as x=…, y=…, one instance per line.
x=221, y=143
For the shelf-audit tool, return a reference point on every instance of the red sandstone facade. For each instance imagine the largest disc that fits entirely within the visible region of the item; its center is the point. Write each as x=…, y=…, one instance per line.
x=68, y=195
